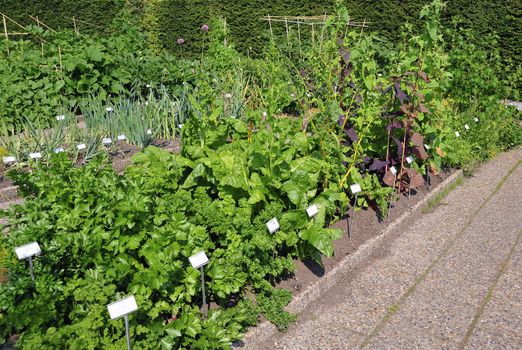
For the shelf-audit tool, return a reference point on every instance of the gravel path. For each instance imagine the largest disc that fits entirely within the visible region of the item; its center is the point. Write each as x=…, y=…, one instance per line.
x=451, y=279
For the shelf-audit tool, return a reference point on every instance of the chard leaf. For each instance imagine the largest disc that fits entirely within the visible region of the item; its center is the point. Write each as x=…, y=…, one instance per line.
x=256, y=196
x=321, y=238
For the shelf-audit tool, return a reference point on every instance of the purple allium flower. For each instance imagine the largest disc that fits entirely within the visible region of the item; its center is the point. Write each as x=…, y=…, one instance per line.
x=204, y=28
x=181, y=41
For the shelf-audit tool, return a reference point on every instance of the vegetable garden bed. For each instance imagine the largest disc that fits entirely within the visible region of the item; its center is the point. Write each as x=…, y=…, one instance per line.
x=345, y=122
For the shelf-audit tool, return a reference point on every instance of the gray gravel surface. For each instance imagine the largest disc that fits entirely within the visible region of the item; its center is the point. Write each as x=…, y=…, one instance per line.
x=449, y=279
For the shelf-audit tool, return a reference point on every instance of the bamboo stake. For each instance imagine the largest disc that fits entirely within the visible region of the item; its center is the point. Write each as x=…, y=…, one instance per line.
x=6, y=35
x=60, y=57
x=41, y=23
x=74, y=23
x=313, y=35
x=322, y=35
x=41, y=42
x=299, y=36
x=225, y=29
x=270, y=24
x=287, y=38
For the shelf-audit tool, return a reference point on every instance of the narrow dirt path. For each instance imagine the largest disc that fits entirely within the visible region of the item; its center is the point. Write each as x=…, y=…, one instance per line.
x=449, y=279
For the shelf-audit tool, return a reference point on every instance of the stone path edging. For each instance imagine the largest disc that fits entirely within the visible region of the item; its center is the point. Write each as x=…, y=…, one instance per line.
x=264, y=330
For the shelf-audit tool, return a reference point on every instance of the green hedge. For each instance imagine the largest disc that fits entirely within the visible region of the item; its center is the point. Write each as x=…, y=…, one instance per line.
x=168, y=20
x=92, y=16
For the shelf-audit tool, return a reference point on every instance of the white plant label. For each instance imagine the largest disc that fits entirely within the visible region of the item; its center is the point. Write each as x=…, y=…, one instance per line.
x=59, y=150
x=106, y=141
x=355, y=188
x=181, y=126
x=122, y=137
x=27, y=250
x=109, y=109
x=426, y=146
x=149, y=132
x=409, y=159
x=272, y=225
x=81, y=146
x=199, y=259
x=60, y=117
x=466, y=126
x=122, y=307
x=9, y=159
x=476, y=120
x=457, y=133
x=312, y=210
x=35, y=155
x=393, y=170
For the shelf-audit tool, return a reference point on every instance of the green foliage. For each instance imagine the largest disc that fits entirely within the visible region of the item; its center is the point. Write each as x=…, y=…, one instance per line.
x=262, y=138
x=106, y=236
x=271, y=307
x=91, y=17
x=166, y=21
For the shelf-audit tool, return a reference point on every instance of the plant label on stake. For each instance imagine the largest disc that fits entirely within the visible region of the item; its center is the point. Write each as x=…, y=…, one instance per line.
x=122, y=308
x=59, y=150
x=394, y=172
x=35, y=155
x=81, y=146
x=122, y=137
x=409, y=159
x=199, y=260
x=272, y=225
x=60, y=117
x=476, y=120
x=9, y=159
x=109, y=109
x=466, y=126
x=27, y=251
x=106, y=141
x=149, y=132
x=312, y=211
x=457, y=133
x=356, y=189
x=426, y=146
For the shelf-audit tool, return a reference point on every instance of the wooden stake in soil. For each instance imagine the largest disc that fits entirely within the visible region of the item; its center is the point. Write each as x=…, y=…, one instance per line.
x=356, y=189
x=41, y=42
x=6, y=35
x=313, y=35
x=394, y=171
x=287, y=36
x=299, y=35
x=60, y=57
x=410, y=162
x=270, y=25
x=225, y=31
x=74, y=24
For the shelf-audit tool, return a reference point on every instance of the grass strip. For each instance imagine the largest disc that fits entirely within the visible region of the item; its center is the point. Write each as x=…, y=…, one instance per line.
x=436, y=201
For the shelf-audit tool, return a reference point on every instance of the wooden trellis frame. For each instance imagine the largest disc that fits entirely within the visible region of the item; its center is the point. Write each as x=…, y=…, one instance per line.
x=39, y=23
x=312, y=21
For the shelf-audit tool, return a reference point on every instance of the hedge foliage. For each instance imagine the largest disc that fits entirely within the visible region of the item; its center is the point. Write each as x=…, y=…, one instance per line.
x=167, y=20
